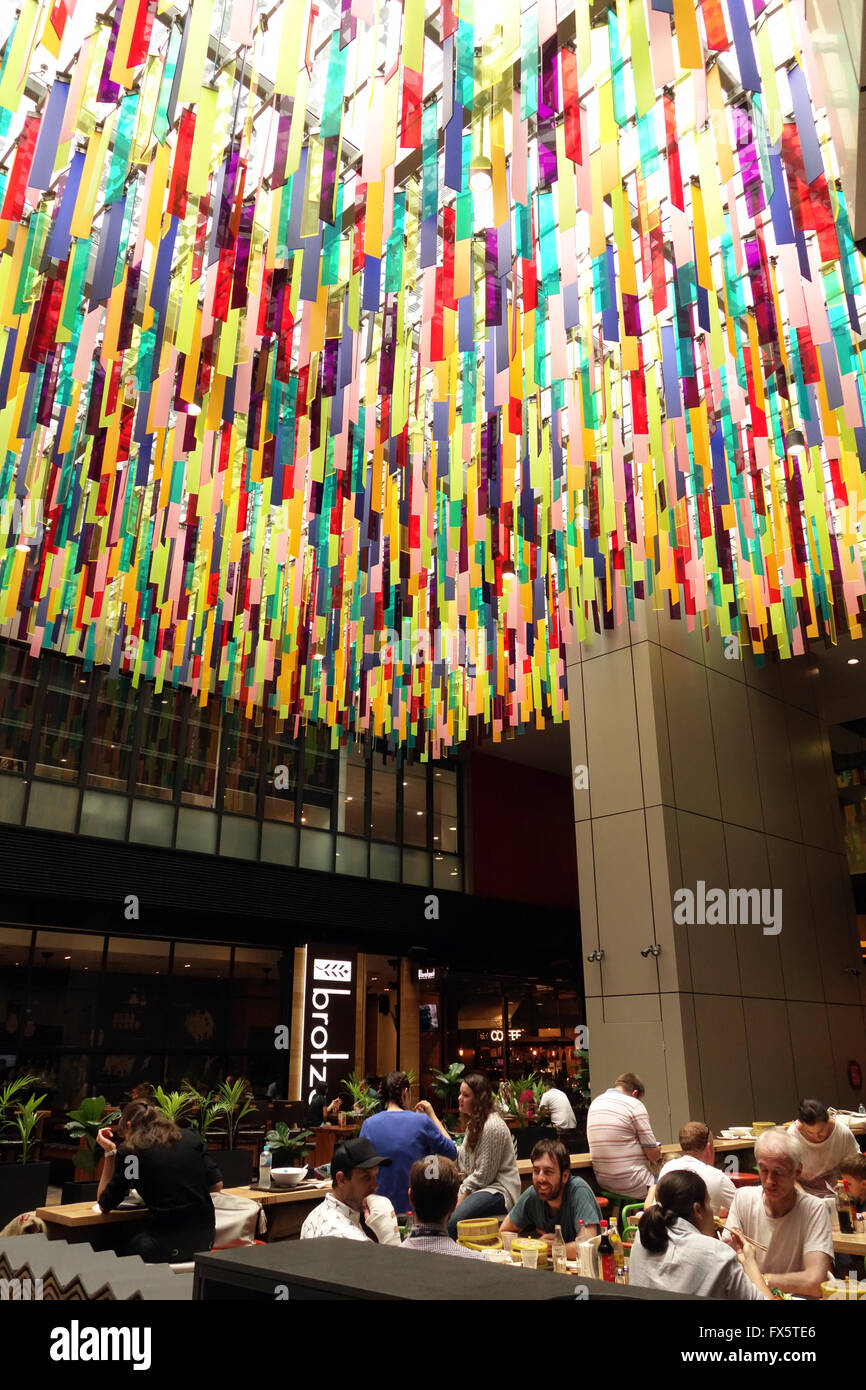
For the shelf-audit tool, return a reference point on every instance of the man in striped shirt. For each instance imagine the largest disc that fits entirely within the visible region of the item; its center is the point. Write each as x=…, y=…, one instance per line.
x=621, y=1142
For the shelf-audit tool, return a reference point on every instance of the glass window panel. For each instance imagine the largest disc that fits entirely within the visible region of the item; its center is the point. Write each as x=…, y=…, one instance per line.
x=416, y=866
x=243, y=752
x=200, y=762
x=12, y=791
x=263, y=966
x=110, y=753
x=445, y=813
x=60, y=738
x=151, y=824
x=321, y=764
x=279, y=844
x=317, y=851
x=157, y=758
x=138, y=956
x=197, y=830
x=239, y=838
x=104, y=815
x=414, y=805
x=281, y=777
x=14, y=947
x=18, y=676
x=64, y=989
x=351, y=856
x=383, y=808
x=351, y=810
x=52, y=808
x=196, y=960
x=448, y=872
x=385, y=862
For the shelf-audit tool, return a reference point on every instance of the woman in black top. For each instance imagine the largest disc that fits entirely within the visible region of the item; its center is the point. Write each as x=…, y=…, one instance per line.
x=172, y=1172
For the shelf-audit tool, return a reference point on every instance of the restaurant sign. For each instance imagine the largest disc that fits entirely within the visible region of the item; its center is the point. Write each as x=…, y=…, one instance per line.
x=494, y=1035
x=329, y=1018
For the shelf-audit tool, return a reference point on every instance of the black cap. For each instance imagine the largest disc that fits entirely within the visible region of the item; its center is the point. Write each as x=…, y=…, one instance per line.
x=356, y=1153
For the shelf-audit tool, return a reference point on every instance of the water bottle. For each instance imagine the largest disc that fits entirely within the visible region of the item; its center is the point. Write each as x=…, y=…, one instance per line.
x=265, y=1161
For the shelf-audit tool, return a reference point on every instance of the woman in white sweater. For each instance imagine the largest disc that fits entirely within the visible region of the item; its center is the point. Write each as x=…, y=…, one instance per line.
x=491, y=1182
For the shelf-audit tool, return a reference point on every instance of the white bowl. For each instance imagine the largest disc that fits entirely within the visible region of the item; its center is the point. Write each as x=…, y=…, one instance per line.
x=287, y=1177
x=742, y=1132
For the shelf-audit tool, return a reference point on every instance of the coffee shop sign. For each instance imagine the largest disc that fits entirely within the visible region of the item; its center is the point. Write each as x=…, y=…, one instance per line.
x=495, y=1035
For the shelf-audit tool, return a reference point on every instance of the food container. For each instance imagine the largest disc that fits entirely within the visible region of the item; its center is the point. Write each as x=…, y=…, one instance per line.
x=287, y=1177
x=844, y=1289
x=481, y=1233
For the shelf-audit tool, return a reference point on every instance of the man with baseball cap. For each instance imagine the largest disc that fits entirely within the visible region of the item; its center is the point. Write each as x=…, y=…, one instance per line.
x=352, y=1210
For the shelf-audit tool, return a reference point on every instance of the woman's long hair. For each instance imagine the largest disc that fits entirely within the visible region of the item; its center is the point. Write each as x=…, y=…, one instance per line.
x=142, y=1125
x=392, y=1088
x=481, y=1110
x=676, y=1195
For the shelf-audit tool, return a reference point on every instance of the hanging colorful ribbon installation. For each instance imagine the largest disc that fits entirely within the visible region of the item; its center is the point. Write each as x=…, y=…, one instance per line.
x=353, y=361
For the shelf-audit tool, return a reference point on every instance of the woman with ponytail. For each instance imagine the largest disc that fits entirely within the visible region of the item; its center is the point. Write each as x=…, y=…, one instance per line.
x=677, y=1250
x=173, y=1174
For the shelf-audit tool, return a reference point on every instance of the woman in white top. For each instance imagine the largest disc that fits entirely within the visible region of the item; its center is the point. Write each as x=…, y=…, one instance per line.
x=491, y=1182
x=677, y=1250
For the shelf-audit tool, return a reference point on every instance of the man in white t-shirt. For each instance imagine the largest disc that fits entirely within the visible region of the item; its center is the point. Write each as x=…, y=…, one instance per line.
x=826, y=1144
x=621, y=1142
x=698, y=1156
x=556, y=1103
x=794, y=1227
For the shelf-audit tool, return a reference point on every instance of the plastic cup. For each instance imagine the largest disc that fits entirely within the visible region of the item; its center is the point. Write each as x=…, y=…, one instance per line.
x=529, y=1258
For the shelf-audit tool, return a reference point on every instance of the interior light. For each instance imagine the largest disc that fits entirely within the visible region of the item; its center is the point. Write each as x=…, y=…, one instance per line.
x=480, y=174
x=419, y=813
x=23, y=549
x=853, y=661
x=67, y=958
x=193, y=409
x=795, y=442
x=350, y=798
x=186, y=967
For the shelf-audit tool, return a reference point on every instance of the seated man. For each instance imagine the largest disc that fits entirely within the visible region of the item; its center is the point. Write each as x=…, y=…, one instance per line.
x=434, y=1183
x=320, y=1111
x=853, y=1170
x=555, y=1106
x=352, y=1210
x=794, y=1227
x=826, y=1142
x=556, y=1198
x=621, y=1142
x=698, y=1154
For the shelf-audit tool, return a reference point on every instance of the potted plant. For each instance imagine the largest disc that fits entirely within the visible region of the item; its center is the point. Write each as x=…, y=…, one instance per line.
x=23, y=1185
x=288, y=1146
x=364, y=1102
x=519, y=1098
x=203, y=1109
x=175, y=1105
x=234, y=1101
x=84, y=1124
x=447, y=1088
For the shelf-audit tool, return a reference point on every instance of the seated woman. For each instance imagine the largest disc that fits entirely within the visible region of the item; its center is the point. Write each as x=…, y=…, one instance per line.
x=491, y=1182
x=174, y=1175
x=677, y=1250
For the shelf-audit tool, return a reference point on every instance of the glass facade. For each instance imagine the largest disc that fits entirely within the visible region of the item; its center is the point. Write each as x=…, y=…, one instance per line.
x=96, y=1015
x=160, y=768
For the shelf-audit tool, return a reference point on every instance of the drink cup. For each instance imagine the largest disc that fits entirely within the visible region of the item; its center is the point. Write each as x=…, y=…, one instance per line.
x=529, y=1258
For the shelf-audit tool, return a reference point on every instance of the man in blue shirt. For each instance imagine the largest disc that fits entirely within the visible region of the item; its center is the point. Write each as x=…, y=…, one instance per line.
x=556, y=1198
x=404, y=1136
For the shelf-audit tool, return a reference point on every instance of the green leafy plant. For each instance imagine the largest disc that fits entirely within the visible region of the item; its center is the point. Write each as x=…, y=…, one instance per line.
x=175, y=1105
x=26, y=1122
x=514, y=1097
x=10, y=1099
x=85, y=1123
x=363, y=1101
x=234, y=1101
x=411, y=1078
x=203, y=1108
x=294, y=1141
x=447, y=1084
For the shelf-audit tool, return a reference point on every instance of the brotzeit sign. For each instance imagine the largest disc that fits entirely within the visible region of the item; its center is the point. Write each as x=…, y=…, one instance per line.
x=329, y=1018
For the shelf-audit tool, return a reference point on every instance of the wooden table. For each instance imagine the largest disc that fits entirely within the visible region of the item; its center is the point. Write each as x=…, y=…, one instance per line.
x=77, y=1221
x=327, y=1137
x=849, y=1245
x=583, y=1161
x=286, y=1209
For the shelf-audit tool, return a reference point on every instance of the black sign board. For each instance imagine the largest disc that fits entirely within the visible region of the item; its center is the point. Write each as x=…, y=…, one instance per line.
x=328, y=1050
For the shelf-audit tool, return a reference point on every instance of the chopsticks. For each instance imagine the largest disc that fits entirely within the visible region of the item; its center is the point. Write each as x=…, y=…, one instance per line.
x=723, y=1226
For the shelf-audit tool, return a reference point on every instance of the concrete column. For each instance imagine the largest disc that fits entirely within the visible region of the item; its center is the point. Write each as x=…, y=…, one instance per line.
x=705, y=767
